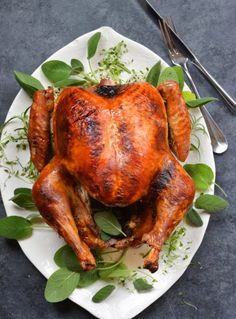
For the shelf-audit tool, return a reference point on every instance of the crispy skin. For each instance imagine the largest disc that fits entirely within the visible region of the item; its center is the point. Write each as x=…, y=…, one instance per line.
x=64, y=207
x=178, y=118
x=111, y=142
x=174, y=192
x=39, y=127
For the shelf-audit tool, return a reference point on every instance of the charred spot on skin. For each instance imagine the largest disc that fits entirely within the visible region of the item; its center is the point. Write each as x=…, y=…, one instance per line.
x=153, y=107
x=107, y=90
x=161, y=181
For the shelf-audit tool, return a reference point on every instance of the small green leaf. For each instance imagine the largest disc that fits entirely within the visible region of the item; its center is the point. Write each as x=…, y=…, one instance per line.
x=56, y=70
x=180, y=74
x=108, y=223
x=87, y=278
x=15, y=227
x=168, y=74
x=201, y=174
x=66, y=258
x=200, y=102
x=103, y=293
x=28, y=83
x=23, y=198
x=93, y=44
x=194, y=218
x=141, y=284
x=121, y=271
x=153, y=74
x=211, y=203
x=69, y=82
x=60, y=285
x=77, y=66
x=104, y=236
x=188, y=96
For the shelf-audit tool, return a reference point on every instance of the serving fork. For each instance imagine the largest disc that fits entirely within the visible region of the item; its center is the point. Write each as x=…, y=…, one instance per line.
x=218, y=140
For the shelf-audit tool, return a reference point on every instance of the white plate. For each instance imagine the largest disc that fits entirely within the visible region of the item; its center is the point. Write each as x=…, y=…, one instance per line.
x=41, y=247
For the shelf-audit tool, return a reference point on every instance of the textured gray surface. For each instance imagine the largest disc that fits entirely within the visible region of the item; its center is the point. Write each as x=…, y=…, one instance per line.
x=32, y=30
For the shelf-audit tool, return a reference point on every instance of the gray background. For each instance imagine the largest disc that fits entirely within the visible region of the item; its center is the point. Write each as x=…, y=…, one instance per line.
x=32, y=30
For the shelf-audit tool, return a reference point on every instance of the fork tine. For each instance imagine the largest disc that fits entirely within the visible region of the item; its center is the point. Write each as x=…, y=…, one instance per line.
x=168, y=36
x=164, y=34
x=171, y=24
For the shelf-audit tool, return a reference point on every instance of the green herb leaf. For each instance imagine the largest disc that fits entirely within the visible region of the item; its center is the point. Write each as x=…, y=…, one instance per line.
x=188, y=96
x=211, y=203
x=87, y=278
x=200, y=102
x=180, y=74
x=77, y=66
x=23, y=198
x=108, y=223
x=153, y=74
x=168, y=74
x=69, y=82
x=201, y=174
x=104, y=236
x=93, y=44
x=120, y=271
x=60, y=285
x=66, y=258
x=194, y=218
x=56, y=70
x=15, y=227
x=103, y=293
x=141, y=284
x=28, y=83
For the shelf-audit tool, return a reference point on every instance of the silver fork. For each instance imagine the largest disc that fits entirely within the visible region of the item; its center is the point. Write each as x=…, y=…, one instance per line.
x=218, y=140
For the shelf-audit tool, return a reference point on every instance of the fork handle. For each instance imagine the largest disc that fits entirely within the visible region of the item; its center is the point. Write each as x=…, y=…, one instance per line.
x=230, y=103
x=218, y=140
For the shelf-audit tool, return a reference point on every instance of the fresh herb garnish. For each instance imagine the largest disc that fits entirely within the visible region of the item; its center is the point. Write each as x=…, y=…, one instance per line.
x=154, y=73
x=93, y=44
x=180, y=74
x=61, y=284
x=15, y=227
x=211, y=203
x=200, y=102
x=108, y=223
x=77, y=66
x=103, y=293
x=141, y=285
x=194, y=218
x=201, y=174
x=56, y=70
x=168, y=73
x=28, y=82
x=23, y=198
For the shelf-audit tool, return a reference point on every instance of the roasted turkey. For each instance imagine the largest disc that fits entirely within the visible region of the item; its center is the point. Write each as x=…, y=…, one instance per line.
x=111, y=144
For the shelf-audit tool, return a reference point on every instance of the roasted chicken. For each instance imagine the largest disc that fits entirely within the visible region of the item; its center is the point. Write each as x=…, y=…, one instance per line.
x=111, y=144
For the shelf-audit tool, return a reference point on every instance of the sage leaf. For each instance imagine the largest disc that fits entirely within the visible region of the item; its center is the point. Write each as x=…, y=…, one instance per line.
x=23, y=198
x=108, y=223
x=141, y=284
x=60, y=285
x=168, y=74
x=188, y=96
x=69, y=82
x=154, y=73
x=28, y=83
x=66, y=258
x=211, y=203
x=93, y=44
x=15, y=227
x=104, y=236
x=180, y=74
x=194, y=218
x=103, y=293
x=201, y=174
x=87, y=278
x=56, y=70
x=77, y=66
x=200, y=102
x=120, y=271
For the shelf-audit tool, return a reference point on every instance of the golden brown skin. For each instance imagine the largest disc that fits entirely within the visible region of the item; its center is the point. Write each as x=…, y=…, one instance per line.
x=111, y=143
x=178, y=117
x=39, y=127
